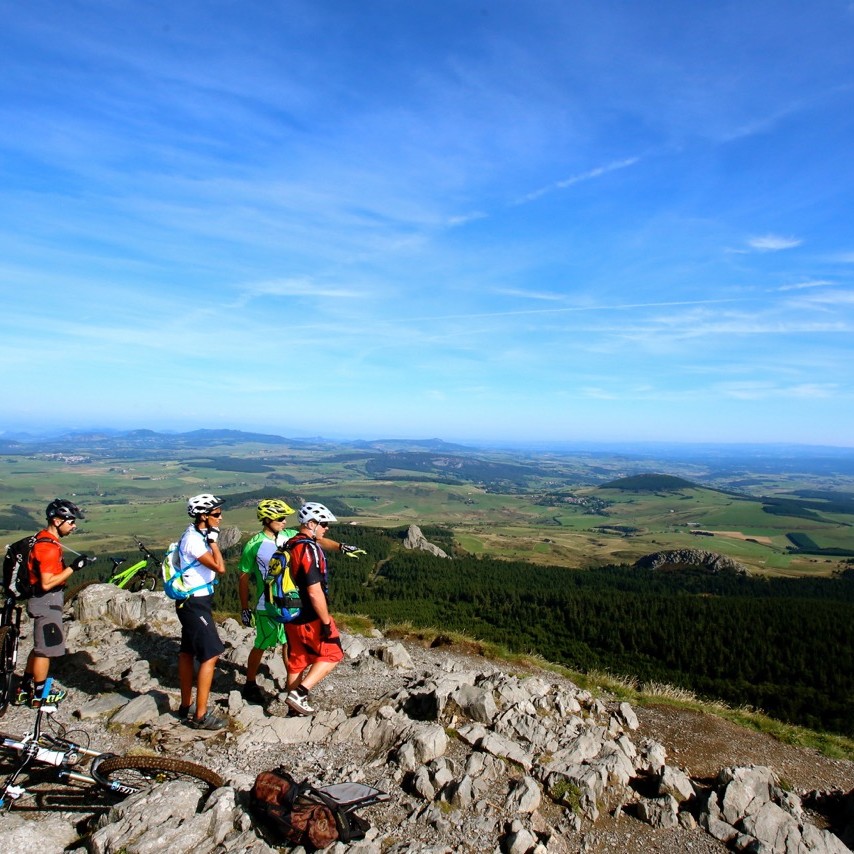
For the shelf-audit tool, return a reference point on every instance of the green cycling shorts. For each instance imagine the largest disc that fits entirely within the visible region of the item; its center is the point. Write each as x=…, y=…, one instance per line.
x=269, y=633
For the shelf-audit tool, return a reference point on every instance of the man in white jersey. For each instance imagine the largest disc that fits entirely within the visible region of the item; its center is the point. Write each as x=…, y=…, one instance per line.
x=201, y=563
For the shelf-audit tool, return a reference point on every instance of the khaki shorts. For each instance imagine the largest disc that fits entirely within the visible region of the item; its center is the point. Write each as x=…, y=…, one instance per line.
x=48, y=634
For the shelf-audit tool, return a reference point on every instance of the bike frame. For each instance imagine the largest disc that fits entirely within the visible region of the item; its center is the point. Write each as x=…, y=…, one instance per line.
x=123, y=578
x=10, y=618
x=39, y=748
x=11, y=613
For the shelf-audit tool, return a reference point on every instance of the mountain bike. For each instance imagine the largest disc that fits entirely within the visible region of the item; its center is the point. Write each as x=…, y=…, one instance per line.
x=10, y=632
x=142, y=575
x=76, y=763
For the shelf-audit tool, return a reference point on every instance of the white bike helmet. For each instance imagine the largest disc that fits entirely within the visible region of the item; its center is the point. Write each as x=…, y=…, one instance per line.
x=198, y=505
x=314, y=511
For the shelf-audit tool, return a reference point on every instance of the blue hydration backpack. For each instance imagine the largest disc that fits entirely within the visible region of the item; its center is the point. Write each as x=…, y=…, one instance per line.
x=174, y=584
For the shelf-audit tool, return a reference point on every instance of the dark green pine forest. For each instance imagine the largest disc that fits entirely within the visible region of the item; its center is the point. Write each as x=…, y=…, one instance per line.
x=785, y=646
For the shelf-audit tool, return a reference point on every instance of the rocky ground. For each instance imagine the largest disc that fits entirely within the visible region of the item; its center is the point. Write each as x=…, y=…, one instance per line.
x=468, y=751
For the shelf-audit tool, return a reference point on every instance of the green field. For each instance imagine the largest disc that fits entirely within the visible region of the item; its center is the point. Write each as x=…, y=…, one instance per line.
x=541, y=508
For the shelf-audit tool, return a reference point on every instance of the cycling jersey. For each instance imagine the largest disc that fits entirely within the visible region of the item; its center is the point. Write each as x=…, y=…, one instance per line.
x=255, y=558
x=45, y=559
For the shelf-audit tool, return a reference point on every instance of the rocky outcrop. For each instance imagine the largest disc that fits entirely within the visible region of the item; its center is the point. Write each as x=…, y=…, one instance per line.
x=475, y=758
x=416, y=540
x=748, y=810
x=690, y=559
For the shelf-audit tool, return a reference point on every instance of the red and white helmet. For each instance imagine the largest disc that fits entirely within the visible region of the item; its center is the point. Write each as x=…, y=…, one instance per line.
x=314, y=511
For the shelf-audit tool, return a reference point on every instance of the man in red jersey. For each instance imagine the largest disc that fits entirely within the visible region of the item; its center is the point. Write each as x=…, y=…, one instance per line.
x=48, y=574
x=314, y=645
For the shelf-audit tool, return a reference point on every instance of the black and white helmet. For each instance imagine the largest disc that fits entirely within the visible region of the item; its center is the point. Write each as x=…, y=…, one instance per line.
x=62, y=509
x=314, y=511
x=198, y=505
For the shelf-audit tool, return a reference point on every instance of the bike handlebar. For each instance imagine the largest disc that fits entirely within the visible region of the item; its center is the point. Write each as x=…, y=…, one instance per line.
x=146, y=552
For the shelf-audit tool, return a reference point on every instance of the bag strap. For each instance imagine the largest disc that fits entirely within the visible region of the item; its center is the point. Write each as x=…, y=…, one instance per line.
x=341, y=821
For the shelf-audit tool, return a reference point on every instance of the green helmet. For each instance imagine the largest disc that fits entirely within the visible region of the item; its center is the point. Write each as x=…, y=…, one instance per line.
x=273, y=509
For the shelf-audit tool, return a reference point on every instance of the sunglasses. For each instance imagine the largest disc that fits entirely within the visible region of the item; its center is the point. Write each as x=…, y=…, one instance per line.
x=323, y=524
x=216, y=515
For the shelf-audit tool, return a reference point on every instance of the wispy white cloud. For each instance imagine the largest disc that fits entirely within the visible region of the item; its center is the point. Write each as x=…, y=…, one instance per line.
x=761, y=390
x=773, y=243
x=465, y=219
x=589, y=175
x=835, y=298
x=304, y=287
x=521, y=293
x=818, y=283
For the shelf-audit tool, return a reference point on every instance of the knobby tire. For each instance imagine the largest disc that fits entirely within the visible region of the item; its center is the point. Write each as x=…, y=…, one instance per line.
x=138, y=585
x=139, y=771
x=8, y=640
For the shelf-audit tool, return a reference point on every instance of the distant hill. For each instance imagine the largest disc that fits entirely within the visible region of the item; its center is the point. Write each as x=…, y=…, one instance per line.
x=139, y=441
x=650, y=483
x=433, y=445
x=455, y=468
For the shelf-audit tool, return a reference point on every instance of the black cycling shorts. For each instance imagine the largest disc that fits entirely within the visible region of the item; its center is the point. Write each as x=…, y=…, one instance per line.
x=199, y=636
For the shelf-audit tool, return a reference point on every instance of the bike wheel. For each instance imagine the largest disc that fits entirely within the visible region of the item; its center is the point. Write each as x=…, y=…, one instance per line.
x=142, y=582
x=120, y=773
x=8, y=649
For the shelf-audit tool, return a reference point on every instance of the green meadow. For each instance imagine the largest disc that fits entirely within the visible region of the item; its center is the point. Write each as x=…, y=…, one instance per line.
x=541, y=508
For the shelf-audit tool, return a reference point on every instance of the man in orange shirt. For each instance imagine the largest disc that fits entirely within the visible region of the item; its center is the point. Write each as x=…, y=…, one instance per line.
x=48, y=574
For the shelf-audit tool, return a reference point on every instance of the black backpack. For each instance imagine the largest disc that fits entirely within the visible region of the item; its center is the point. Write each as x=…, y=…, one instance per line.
x=298, y=813
x=16, y=567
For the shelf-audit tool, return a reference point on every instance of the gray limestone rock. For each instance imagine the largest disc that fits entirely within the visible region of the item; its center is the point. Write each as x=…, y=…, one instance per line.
x=141, y=710
x=395, y=656
x=416, y=540
x=103, y=704
x=525, y=796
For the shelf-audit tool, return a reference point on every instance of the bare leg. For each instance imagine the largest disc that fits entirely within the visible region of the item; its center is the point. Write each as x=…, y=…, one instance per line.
x=37, y=667
x=203, y=685
x=253, y=663
x=186, y=672
x=313, y=675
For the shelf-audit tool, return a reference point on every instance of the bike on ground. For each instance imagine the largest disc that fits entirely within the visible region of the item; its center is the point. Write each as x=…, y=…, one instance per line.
x=74, y=763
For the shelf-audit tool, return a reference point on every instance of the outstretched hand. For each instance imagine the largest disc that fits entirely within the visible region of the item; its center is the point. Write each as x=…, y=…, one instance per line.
x=352, y=551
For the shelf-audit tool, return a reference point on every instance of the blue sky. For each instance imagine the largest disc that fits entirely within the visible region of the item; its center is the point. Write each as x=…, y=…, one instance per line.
x=537, y=219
